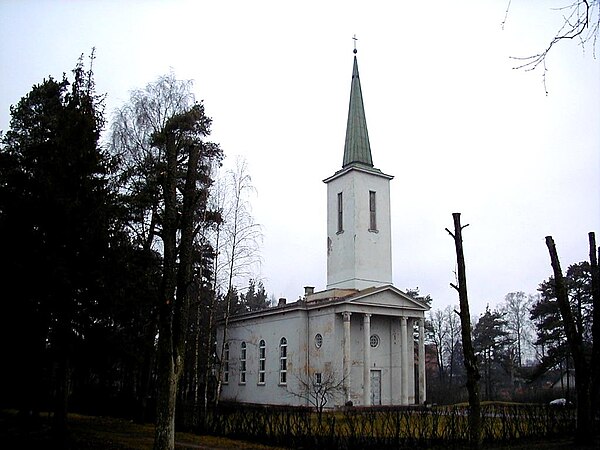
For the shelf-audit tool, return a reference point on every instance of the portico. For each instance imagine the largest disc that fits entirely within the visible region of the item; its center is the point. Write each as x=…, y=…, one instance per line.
x=401, y=356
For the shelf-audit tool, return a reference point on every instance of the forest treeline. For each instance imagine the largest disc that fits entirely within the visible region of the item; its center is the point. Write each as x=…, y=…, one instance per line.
x=520, y=343
x=121, y=246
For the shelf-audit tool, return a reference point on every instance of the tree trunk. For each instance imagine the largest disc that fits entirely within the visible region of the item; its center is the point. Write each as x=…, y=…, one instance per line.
x=595, y=269
x=575, y=341
x=61, y=401
x=164, y=438
x=470, y=360
x=166, y=398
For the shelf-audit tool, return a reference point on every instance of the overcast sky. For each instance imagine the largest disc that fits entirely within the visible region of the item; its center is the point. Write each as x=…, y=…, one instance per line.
x=447, y=115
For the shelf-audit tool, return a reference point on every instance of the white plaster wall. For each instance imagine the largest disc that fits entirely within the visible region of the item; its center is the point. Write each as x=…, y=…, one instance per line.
x=358, y=258
x=328, y=358
x=300, y=328
x=292, y=326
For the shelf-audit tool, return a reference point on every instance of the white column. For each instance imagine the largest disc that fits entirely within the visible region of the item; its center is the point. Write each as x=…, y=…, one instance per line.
x=403, y=362
x=395, y=352
x=347, y=357
x=422, y=385
x=410, y=348
x=367, y=360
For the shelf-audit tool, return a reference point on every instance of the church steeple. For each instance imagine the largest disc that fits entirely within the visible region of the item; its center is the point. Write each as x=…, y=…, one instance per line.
x=357, y=148
x=359, y=233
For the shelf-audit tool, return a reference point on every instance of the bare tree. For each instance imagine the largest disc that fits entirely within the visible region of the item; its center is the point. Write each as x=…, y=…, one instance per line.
x=239, y=240
x=133, y=127
x=453, y=335
x=470, y=359
x=437, y=331
x=319, y=388
x=516, y=309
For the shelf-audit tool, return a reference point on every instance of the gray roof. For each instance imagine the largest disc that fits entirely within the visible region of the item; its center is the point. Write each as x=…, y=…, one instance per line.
x=357, y=149
x=337, y=297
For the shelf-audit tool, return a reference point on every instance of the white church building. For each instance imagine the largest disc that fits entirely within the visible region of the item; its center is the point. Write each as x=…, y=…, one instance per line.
x=361, y=335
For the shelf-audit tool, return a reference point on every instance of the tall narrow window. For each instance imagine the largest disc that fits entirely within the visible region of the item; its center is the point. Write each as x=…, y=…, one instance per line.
x=243, y=363
x=372, y=211
x=226, y=363
x=283, y=361
x=340, y=213
x=261, y=362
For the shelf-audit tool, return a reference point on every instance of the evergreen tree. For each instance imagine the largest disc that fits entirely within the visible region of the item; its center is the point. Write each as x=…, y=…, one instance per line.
x=56, y=218
x=491, y=340
x=255, y=298
x=545, y=313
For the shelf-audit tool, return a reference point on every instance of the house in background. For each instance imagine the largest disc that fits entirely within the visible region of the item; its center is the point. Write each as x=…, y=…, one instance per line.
x=358, y=335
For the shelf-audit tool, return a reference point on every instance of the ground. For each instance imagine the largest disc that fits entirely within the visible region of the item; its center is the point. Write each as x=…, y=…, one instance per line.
x=106, y=433
x=96, y=433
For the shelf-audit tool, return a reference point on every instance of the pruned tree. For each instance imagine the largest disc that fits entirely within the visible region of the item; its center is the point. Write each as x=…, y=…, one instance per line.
x=584, y=357
x=470, y=360
x=554, y=350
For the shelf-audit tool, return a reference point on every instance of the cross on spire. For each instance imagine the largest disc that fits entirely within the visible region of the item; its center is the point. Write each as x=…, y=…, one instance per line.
x=355, y=39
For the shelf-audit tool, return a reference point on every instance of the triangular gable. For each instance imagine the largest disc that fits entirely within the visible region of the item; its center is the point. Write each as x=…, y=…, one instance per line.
x=386, y=296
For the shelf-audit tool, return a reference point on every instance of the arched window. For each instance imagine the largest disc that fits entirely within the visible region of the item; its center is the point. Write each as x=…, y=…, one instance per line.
x=226, y=363
x=261, y=361
x=243, y=363
x=283, y=361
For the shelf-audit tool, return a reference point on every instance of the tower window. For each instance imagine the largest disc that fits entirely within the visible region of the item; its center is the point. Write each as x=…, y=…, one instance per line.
x=283, y=361
x=372, y=211
x=261, y=362
x=340, y=213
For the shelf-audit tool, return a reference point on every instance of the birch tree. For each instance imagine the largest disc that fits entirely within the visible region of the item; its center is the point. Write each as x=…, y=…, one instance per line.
x=239, y=240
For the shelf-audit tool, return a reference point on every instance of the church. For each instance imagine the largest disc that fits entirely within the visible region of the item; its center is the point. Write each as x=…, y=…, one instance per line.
x=358, y=342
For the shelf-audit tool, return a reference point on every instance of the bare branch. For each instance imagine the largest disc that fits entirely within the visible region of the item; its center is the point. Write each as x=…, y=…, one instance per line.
x=581, y=21
x=506, y=14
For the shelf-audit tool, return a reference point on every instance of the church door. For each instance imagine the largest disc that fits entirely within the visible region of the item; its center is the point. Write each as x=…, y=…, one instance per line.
x=375, y=387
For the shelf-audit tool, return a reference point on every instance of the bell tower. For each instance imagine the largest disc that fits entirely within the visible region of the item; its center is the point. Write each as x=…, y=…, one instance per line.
x=359, y=244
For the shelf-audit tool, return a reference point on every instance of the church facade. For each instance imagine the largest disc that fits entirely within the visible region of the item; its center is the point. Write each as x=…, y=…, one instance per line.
x=361, y=340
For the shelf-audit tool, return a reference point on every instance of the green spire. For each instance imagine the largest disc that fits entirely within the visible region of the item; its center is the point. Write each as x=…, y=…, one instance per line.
x=357, y=148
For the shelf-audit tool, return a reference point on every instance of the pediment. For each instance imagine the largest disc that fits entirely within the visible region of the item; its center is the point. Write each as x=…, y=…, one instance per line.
x=387, y=297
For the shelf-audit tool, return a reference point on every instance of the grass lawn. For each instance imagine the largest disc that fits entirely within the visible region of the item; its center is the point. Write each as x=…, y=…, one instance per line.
x=96, y=433
x=106, y=433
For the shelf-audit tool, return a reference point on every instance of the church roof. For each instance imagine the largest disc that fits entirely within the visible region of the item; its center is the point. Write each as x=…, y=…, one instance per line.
x=357, y=149
x=384, y=300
